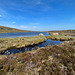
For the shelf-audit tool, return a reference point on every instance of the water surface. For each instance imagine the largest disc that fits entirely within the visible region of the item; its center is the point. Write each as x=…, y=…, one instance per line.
x=44, y=44
x=22, y=34
x=28, y=34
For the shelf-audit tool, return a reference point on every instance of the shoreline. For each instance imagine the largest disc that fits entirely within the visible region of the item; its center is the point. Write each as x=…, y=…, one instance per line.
x=41, y=60
x=20, y=42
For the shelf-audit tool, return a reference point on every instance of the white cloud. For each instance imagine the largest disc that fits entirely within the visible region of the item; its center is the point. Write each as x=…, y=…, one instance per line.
x=13, y=22
x=24, y=26
x=28, y=27
x=0, y=15
x=34, y=27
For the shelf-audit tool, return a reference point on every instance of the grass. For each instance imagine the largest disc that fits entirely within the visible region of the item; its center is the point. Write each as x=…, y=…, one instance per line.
x=19, y=42
x=64, y=32
x=51, y=60
x=60, y=37
x=1, y=56
x=10, y=30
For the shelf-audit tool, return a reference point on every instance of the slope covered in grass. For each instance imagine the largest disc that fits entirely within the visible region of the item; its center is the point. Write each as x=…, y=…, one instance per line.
x=9, y=30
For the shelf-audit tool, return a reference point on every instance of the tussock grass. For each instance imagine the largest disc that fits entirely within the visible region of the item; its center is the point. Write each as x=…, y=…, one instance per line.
x=60, y=37
x=64, y=32
x=9, y=43
x=51, y=60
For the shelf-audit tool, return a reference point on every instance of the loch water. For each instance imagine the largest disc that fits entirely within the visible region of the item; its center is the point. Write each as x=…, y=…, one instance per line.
x=22, y=34
x=28, y=34
x=44, y=44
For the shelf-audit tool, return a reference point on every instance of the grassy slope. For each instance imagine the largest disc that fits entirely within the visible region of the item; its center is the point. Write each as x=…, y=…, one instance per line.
x=8, y=30
x=51, y=60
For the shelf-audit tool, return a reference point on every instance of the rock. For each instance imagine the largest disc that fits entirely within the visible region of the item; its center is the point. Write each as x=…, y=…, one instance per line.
x=41, y=34
x=55, y=33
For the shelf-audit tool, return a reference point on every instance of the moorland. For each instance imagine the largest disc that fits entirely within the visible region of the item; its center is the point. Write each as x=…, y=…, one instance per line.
x=49, y=60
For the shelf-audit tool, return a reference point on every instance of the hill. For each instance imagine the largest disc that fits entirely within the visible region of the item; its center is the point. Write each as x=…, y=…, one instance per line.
x=10, y=30
x=65, y=32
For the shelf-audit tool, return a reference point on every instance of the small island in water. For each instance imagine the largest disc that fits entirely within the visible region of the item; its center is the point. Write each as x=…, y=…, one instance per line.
x=48, y=53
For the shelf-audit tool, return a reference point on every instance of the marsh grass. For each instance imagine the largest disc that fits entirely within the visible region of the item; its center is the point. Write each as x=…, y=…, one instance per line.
x=64, y=32
x=60, y=37
x=11, y=43
x=50, y=60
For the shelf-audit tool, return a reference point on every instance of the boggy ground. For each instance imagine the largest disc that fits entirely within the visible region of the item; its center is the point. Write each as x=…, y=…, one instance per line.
x=64, y=32
x=13, y=43
x=60, y=37
x=51, y=60
x=20, y=42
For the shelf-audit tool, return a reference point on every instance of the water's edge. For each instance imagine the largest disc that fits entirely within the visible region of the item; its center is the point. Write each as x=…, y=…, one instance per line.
x=31, y=47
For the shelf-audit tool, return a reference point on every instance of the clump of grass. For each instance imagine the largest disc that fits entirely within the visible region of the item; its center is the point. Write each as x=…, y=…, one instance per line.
x=64, y=32
x=9, y=43
x=60, y=37
x=50, y=60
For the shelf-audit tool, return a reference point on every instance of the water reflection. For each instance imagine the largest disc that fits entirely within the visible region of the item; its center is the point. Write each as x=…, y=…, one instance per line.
x=22, y=34
x=44, y=44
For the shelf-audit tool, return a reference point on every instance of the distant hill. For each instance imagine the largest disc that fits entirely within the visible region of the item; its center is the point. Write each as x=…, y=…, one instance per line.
x=10, y=30
x=66, y=32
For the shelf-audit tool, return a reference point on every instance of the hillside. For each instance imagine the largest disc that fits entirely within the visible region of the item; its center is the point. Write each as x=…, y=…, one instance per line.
x=10, y=30
x=65, y=32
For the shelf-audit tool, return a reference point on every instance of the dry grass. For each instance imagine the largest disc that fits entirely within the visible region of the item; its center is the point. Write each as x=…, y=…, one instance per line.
x=51, y=60
x=11, y=43
x=60, y=37
x=10, y=30
x=64, y=32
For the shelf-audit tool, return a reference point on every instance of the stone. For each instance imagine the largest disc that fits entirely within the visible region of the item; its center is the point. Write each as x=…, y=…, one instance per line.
x=55, y=33
x=41, y=34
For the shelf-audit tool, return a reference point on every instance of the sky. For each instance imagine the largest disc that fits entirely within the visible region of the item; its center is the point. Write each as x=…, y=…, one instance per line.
x=38, y=15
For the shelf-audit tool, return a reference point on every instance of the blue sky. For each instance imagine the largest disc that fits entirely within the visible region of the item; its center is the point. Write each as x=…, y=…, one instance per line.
x=38, y=15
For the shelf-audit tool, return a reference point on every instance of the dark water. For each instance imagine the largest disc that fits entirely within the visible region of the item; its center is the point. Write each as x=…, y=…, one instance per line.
x=28, y=34
x=22, y=34
x=44, y=44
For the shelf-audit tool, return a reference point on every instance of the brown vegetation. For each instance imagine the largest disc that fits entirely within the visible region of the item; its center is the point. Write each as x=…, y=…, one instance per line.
x=51, y=60
x=10, y=30
x=64, y=32
x=60, y=37
x=19, y=42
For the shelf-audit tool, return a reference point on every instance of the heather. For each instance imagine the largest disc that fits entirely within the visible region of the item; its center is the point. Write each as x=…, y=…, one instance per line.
x=50, y=60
